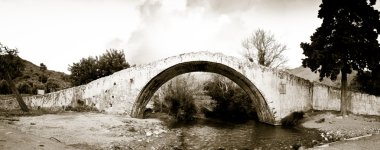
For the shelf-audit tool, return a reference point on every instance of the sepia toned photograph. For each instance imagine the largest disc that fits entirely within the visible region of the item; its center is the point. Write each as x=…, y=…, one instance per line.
x=189, y=74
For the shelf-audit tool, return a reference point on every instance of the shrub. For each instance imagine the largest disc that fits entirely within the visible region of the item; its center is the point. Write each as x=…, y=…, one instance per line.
x=38, y=86
x=158, y=105
x=293, y=119
x=178, y=99
x=52, y=85
x=42, y=78
x=232, y=102
x=26, y=77
x=82, y=108
x=24, y=87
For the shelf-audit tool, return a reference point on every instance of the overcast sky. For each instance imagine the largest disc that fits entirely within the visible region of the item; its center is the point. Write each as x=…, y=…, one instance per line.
x=60, y=32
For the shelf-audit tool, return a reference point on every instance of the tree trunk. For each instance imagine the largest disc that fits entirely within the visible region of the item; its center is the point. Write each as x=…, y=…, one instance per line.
x=17, y=95
x=261, y=57
x=343, y=96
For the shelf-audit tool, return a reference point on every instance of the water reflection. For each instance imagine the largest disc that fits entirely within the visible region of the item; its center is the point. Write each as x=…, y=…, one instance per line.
x=206, y=134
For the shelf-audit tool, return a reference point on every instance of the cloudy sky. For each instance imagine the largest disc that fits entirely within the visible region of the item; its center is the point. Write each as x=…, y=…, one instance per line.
x=60, y=32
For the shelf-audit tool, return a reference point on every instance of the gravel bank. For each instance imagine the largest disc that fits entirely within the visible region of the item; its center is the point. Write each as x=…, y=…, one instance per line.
x=338, y=128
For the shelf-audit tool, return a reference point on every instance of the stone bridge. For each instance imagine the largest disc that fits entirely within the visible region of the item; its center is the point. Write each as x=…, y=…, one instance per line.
x=275, y=93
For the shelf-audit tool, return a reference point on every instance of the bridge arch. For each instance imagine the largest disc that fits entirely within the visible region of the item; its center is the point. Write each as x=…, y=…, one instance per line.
x=157, y=81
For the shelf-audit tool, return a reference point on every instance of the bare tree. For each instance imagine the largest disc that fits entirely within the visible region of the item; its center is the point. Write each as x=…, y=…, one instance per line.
x=262, y=45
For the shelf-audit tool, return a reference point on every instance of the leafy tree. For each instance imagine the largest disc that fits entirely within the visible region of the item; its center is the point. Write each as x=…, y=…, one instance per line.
x=346, y=41
x=369, y=81
x=43, y=67
x=85, y=71
x=11, y=66
x=263, y=45
x=92, y=68
x=112, y=61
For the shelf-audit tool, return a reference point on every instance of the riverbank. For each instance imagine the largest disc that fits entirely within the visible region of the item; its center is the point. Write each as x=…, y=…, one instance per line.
x=86, y=130
x=13, y=139
x=339, y=132
x=369, y=142
x=89, y=130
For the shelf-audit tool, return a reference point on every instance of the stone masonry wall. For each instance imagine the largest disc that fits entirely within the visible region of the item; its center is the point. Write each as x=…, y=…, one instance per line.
x=328, y=98
x=284, y=93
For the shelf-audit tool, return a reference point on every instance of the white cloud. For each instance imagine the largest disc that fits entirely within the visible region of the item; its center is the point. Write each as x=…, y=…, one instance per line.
x=61, y=32
x=168, y=28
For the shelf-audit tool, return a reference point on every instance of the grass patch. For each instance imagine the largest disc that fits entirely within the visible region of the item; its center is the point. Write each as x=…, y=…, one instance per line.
x=82, y=108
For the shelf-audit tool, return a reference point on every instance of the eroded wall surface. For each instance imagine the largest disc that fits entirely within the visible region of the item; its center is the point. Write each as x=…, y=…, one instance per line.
x=328, y=98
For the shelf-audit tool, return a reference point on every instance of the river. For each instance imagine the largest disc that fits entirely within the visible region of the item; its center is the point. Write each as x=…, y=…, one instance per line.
x=249, y=135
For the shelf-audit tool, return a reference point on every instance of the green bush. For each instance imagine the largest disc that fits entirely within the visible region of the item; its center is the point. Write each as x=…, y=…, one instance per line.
x=26, y=77
x=42, y=78
x=38, y=86
x=293, y=119
x=232, y=102
x=52, y=85
x=24, y=88
x=178, y=100
x=158, y=105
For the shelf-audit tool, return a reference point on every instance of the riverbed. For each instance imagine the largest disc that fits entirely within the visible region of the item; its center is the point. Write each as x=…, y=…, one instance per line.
x=105, y=131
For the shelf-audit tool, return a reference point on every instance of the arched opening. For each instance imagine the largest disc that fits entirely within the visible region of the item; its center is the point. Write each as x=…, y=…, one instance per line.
x=154, y=84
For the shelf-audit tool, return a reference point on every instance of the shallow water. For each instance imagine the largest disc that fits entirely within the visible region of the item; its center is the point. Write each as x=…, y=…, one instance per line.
x=249, y=135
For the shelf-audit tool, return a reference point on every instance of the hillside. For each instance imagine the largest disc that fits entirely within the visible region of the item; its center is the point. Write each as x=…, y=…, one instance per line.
x=34, y=78
x=306, y=73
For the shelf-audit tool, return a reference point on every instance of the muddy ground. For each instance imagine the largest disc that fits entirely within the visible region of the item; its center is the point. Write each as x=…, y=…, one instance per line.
x=73, y=130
